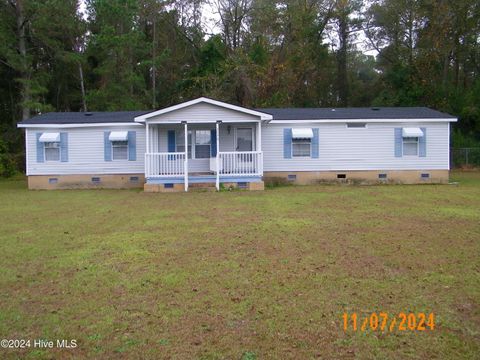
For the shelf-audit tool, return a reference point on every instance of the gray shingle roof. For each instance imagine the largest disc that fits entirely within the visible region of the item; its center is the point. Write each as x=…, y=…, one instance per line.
x=355, y=113
x=278, y=114
x=84, y=117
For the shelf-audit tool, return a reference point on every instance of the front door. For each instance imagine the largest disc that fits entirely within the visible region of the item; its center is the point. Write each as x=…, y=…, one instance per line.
x=244, y=139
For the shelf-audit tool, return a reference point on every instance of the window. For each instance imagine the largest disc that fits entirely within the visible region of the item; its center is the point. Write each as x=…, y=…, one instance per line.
x=244, y=139
x=198, y=143
x=301, y=147
x=180, y=135
x=410, y=146
x=356, y=125
x=202, y=144
x=52, y=151
x=120, y=150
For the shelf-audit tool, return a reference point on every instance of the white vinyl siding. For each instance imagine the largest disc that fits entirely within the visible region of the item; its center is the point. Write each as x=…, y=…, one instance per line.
x=371, y=148
x=340, y=148
x=202, y=112
x=85, y=153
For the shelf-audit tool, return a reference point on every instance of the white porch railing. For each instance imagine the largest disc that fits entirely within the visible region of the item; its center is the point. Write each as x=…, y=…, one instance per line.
x=234, y=163
x=164, y=164
x=245, y=163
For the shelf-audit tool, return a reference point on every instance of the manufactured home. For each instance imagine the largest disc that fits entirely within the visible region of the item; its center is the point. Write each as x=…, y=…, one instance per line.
x=205, y=142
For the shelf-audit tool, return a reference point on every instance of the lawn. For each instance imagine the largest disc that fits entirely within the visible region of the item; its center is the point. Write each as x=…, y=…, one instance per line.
x=241, y=275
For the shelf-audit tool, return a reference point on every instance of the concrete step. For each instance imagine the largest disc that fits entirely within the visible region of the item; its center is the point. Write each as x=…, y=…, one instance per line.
x=202, y=189
x=201, y=184
x=208, y=186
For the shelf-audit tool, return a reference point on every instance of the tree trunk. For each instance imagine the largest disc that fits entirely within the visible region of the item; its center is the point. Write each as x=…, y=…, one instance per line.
x=342, y=79
x=22, y=49
x=154, y=69
x=82, y=87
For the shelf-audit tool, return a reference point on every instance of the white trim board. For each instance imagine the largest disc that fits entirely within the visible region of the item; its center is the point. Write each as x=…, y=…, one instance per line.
x=83, y=125
x=341, y=121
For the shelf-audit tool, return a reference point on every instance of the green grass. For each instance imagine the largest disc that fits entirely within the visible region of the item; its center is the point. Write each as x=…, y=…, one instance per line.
x=240, y=275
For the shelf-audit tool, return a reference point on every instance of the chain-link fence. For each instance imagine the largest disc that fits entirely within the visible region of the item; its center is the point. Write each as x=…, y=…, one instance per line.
x=465, y=157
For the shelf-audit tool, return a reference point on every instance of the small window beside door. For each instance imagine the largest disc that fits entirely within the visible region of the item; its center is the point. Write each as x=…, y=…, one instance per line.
x=202, y=144
x=244, y=139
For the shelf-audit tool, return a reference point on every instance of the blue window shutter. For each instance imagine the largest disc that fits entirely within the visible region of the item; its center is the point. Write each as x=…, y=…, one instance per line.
x=107, y=146
x=213, y=142
x=64, y=147
x=132, y=145
x=422, y=144
x=287, y=143
x=398, y=142
x=171, y=140
x=40, y=149
x=315, y=143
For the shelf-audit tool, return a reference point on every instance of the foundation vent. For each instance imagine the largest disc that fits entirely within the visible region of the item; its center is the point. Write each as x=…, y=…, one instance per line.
x=292, y=177
x=242, y=185
x=382, y=176
x=96, y=180
x=425, y=176
x=168, y=186
x=53, y=180
x=341, y=176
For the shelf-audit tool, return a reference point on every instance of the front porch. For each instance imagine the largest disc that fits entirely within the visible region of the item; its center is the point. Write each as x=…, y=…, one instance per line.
x=184, y=154
x=203, y=141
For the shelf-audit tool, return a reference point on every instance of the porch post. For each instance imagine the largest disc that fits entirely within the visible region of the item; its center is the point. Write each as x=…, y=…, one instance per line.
x=185, y=163
x=259, y=148
x=217, y=159
x=147, y=139
x=146, y=164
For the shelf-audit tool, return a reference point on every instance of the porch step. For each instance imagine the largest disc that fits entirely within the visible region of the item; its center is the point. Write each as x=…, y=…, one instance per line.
x=201, y=173
x=200, y=187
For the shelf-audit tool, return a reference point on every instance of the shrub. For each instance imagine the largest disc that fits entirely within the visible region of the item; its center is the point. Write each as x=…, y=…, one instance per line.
x=7, y=162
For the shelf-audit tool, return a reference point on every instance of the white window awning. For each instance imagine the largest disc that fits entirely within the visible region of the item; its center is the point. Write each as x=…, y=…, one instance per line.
x=49, y=137
x=300, y=133
x=412, y=132
x=118, y=136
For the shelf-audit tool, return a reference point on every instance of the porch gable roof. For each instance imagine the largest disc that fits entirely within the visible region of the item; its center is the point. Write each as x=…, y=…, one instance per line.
x=259, y=114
